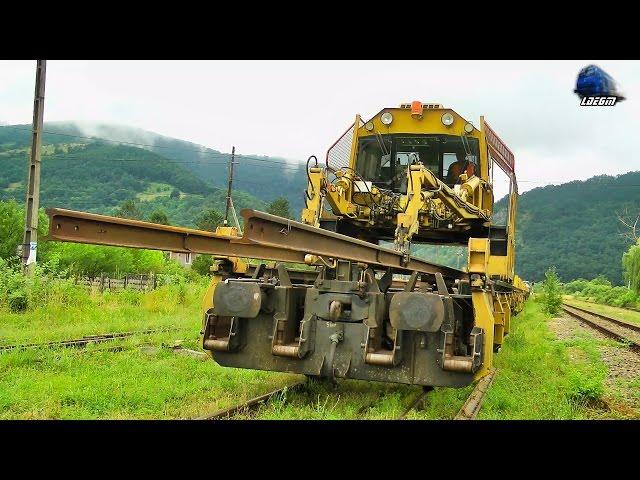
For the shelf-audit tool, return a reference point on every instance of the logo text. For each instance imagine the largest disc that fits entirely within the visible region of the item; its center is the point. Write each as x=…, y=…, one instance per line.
x=598, y=101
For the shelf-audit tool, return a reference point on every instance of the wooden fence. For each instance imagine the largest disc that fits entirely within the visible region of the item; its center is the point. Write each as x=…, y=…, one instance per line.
x=136, y=282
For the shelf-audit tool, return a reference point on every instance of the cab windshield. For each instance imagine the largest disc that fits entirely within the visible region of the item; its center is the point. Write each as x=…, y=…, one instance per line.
x=384, y=159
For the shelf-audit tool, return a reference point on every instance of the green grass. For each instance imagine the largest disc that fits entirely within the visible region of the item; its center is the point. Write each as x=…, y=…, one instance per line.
x=539, y=377
x=94, y=382
x=89, y=313
x=615, y=312
x=97, y=383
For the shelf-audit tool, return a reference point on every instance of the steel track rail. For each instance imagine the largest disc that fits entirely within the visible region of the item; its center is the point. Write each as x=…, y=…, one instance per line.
x=632, y=344
x=266, y=237
x=81, y=342
x=367, y=406
x=472, y=405
x=249, y=404
x=622, y=323
x=415, y=402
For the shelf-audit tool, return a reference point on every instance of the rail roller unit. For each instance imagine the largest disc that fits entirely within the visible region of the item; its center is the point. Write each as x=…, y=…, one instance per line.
x=355, y=309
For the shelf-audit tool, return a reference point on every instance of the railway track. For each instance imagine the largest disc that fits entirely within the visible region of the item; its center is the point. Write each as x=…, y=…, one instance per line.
x=625, y=332
x=83, y=341
x=468, y=411
x=472, y=405
x=416, y=402
x=250, y=404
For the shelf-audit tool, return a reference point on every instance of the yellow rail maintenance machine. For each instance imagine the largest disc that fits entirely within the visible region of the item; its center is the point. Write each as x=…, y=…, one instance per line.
x=415, y=174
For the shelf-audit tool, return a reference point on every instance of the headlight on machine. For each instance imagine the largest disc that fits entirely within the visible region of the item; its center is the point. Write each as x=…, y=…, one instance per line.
x=447, y=119
x=386, y=118
x=468, y=127
x=368, y=126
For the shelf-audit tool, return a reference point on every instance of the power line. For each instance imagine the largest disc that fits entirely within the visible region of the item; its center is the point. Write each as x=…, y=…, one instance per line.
x=163, y=159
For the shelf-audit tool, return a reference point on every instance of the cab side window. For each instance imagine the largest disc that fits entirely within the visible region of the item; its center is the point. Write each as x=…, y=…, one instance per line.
x=447, y=160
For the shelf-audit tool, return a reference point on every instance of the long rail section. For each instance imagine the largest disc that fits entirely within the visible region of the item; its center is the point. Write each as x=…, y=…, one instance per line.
x=472, y=405
x=611, y=327
x=266, y=237
x=83, y=341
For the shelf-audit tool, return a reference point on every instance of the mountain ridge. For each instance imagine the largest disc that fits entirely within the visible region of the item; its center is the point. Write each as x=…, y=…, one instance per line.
x=209, y=164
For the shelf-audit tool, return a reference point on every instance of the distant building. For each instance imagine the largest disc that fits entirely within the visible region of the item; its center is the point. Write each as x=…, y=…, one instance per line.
x=184, y=259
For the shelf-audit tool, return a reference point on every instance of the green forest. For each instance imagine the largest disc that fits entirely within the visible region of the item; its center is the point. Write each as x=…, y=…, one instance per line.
x=257, y=174
x=575, y=227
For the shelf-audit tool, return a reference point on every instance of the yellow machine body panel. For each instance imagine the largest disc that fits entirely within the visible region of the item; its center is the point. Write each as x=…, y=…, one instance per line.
x=416, y=173
x=353, y=195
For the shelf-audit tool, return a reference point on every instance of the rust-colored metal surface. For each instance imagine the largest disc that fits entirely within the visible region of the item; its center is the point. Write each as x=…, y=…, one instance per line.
x=270, y=230
x=499, y=150
x=249, y=404
x=83, y=227
x=265, y=237
x=472, y=405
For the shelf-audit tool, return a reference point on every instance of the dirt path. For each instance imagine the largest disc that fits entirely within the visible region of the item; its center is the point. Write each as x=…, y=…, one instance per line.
x=622, y=382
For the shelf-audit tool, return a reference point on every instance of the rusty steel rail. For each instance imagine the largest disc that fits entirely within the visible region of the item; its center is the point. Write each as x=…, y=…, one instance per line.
x=418, y=400
x=266, y=229
x=81, y=342
x=472, y=405
x=249, y=404
x=84, y=227
x=632, y=344
x=266, y=237
x=622, y=323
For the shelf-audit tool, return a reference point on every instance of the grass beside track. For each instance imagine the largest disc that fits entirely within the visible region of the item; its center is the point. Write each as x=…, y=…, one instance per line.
x=539, y=377
x=144, y=379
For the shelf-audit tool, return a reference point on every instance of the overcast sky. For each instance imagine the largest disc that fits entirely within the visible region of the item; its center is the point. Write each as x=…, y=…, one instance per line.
x=293, y=109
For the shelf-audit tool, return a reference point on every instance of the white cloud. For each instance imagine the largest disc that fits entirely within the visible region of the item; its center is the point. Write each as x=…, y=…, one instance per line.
x=293, y=109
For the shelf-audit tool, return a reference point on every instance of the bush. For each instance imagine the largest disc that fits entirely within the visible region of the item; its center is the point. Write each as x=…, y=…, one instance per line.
x=599, y=290
x=576, y=286
x=551, y=292
x=585, y=389
x=18, y=301
x=202, y=264
x=631, y=264
x=47, y=289
x=19, y=293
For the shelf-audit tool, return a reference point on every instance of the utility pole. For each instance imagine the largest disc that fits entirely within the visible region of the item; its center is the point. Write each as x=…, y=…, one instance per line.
x=30, y=242
x=231, y=164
